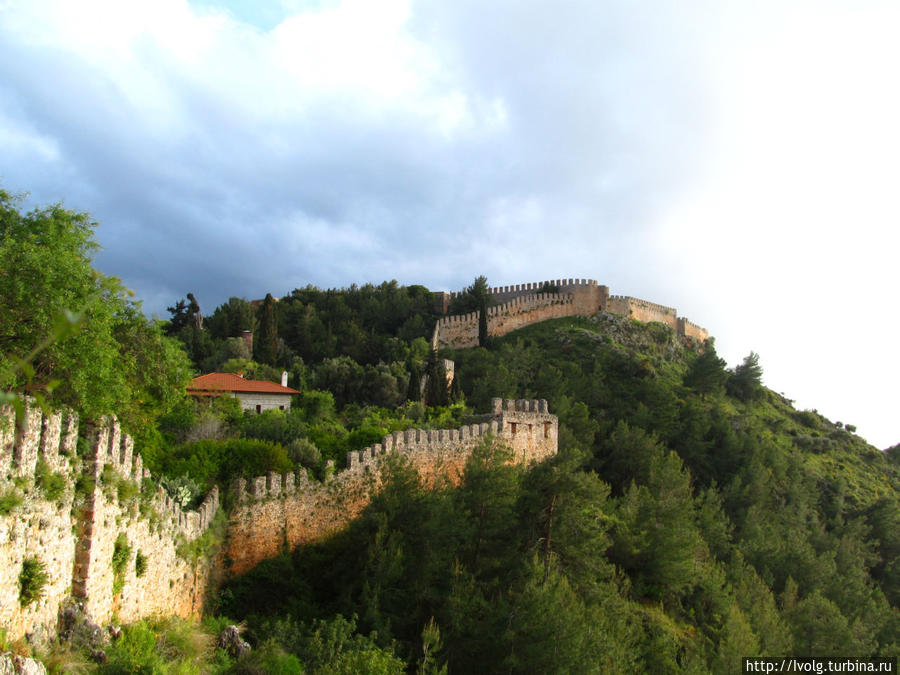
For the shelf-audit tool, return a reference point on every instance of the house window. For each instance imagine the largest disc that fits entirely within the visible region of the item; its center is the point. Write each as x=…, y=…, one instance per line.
x=258, y=408
x=281, y=407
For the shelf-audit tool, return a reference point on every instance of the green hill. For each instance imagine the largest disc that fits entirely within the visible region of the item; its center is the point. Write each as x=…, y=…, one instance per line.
x=680, y=528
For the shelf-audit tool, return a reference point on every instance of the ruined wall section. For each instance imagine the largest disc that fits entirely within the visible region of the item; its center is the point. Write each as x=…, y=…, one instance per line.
x=461, y=331
x=588, y=296
x=642, y=310
x=275, y=512
x=107, y=493
x=37, y=528
x=692, y=330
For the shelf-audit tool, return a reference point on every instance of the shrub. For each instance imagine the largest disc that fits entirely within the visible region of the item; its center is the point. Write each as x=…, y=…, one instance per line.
x=121, y=555
x=133, y=652
x=182, y=489
x=140, y=564
x=304, y=453
x=210, y=462
x=52, y=484
x=9, y=500
x=32, y=580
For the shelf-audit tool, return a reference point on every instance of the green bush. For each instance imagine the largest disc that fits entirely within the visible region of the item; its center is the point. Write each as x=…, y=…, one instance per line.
x=140, y=564
x=9, y=500
x=120, y=557
x=212, y=462
x=133, y=652
x=52, y=484
x=267, y=658
x=32, y=580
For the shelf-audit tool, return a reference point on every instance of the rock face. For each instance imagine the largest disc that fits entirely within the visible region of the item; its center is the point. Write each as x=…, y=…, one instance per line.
x=13, y=664
x=230, y=640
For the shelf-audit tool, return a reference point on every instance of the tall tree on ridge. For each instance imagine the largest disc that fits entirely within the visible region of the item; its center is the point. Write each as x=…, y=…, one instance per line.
x=265, y=342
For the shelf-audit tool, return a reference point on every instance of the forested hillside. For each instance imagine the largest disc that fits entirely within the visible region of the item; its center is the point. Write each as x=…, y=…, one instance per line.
x=691, y=517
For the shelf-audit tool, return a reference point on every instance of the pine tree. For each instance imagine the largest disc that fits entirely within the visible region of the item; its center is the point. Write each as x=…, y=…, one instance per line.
x=265, y=342
x=707, y=374
x=746, y=381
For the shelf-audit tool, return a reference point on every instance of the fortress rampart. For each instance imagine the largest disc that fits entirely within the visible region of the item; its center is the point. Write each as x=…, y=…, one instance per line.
x=275, y=511
x=106, y=496
x=525, y=304
x=108, y=499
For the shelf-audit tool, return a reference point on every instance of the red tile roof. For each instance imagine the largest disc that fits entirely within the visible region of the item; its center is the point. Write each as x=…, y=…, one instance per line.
x=220, y=382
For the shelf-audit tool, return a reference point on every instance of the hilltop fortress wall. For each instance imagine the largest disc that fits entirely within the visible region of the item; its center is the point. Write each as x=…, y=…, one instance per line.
x=107, y=496
x=275, y=512
x=525, y=304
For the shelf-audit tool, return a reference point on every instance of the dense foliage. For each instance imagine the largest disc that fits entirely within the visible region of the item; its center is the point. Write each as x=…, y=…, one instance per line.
x=681, y=527
x=692, y=516
x=117, y=361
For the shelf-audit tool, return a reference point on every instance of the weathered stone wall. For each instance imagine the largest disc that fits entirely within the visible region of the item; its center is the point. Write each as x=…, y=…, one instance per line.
x=37, y=528
x=692, y=330
x=588, y=297
x=461, y=331
x=523, y=304
x=74, y=536
x=274, y=511
x=642, y=310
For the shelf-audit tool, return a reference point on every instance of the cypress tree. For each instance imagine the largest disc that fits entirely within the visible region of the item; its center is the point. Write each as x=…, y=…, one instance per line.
x=265, y=342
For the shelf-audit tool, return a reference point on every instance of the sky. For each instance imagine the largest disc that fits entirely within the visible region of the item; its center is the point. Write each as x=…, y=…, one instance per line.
x=736, y=160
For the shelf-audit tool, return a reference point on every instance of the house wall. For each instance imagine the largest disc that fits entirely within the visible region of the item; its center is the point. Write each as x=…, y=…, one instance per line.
x=249, y=401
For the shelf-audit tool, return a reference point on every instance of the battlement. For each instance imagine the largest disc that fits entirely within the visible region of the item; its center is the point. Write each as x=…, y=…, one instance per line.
x=523, y=304
x=644, y=304
x=461, y=331
x=563, y=285
x=76, y=533
x=276, y=509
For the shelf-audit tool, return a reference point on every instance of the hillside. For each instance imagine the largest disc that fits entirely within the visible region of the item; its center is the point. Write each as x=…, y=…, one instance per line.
x=680, y=528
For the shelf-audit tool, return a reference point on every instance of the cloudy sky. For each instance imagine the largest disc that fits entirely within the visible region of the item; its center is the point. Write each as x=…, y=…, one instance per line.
x=736, y=160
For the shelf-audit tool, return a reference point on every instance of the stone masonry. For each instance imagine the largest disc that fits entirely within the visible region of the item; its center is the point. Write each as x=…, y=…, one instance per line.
x=525, y=304
x=275, y=511
x=74, y=536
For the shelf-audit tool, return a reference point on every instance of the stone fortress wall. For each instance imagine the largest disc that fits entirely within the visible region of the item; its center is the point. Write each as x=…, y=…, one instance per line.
x=525, y=304
x=74, y=535
x=273, y=512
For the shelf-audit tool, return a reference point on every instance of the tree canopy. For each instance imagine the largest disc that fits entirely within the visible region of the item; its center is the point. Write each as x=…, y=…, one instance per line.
x=118, y=361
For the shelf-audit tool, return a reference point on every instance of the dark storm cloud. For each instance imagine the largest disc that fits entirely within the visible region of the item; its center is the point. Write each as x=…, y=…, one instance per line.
x=199, y=190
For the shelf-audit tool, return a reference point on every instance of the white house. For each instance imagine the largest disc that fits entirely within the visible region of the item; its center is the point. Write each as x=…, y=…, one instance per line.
x=255, y=395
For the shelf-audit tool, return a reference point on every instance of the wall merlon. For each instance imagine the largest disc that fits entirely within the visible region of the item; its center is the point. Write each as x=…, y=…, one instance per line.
x=50, y=439
x=28, y=438
x=7, y=437
x=258, y=487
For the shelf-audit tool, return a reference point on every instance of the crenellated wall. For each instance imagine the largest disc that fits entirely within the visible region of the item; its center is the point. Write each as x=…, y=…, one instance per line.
x=524, y=304
x=108, y=495
x=74, y=535
x=275, y=511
